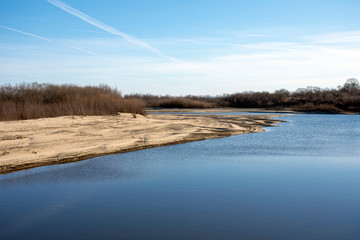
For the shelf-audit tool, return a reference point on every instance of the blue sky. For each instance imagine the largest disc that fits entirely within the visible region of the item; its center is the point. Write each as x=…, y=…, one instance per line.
x=180, y=47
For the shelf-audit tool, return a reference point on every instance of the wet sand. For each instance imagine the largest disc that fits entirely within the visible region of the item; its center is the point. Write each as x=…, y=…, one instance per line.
x=46, y=141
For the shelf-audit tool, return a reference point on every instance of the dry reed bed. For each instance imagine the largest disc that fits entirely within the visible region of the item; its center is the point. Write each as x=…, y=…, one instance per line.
x=29, y=101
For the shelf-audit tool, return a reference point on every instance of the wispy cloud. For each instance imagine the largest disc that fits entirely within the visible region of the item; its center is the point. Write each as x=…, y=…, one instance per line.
x=29, y=34
x=47, y=39
x=109, y=29
x=336, y=38
x=259, y=66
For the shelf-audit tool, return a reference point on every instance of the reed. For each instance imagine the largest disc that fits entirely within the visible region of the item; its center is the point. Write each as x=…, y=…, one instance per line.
x=28, y=101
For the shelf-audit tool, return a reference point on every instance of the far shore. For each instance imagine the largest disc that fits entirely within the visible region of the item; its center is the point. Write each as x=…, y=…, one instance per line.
x=244, y=110
x=46, y=141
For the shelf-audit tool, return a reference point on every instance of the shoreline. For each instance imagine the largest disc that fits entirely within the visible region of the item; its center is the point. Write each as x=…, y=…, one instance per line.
x=48, y=141
x=244, y=110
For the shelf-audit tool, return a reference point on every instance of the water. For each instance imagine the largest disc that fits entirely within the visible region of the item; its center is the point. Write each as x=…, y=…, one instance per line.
x=297, y=181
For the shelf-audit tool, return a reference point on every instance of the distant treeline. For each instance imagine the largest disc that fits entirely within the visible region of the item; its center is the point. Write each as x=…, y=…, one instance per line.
x=344, y=98
x=27, y=101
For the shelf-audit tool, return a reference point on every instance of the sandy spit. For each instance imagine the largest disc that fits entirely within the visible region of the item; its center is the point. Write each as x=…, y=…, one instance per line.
x=39, y=142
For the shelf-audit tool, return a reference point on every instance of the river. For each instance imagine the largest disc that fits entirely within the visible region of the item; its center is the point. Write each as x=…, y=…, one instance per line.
x=300, y=180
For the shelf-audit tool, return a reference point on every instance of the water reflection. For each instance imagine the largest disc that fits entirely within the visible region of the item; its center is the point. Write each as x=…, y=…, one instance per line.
x=93, y=170
x=296, y=181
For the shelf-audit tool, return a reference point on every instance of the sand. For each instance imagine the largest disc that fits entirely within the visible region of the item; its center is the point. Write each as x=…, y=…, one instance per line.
x=39, y=142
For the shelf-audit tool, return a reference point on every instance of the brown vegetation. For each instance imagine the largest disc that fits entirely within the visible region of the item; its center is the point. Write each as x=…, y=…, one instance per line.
x=175, y=102
x=344, y=98
x=183, y=103
x=27, y=101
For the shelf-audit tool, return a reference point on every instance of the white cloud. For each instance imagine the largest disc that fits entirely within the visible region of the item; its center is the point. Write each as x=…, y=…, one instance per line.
x=336, y=38
x=230, y=68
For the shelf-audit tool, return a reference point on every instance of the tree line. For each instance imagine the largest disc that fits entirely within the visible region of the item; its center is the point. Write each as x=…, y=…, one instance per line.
x=27, y=101
x=343, y=98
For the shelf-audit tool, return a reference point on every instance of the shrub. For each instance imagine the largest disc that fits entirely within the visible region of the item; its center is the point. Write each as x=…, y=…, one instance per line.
x=183, y=103
x=27, y=101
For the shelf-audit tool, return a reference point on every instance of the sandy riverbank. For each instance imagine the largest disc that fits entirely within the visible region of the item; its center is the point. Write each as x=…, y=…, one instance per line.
x=39, y=142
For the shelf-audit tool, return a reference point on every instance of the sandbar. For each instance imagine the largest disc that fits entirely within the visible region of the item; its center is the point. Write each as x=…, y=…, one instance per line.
x=38, y=142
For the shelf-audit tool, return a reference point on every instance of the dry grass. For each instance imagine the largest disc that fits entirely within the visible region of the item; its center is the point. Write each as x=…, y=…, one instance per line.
x=28, y=101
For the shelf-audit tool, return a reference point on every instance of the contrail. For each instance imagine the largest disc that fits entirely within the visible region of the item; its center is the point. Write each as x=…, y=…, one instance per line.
x=109, y=29
x=47, y=39
x=29, y=34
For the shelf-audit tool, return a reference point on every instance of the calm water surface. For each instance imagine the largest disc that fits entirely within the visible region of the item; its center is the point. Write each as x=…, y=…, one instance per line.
x=297, y=181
